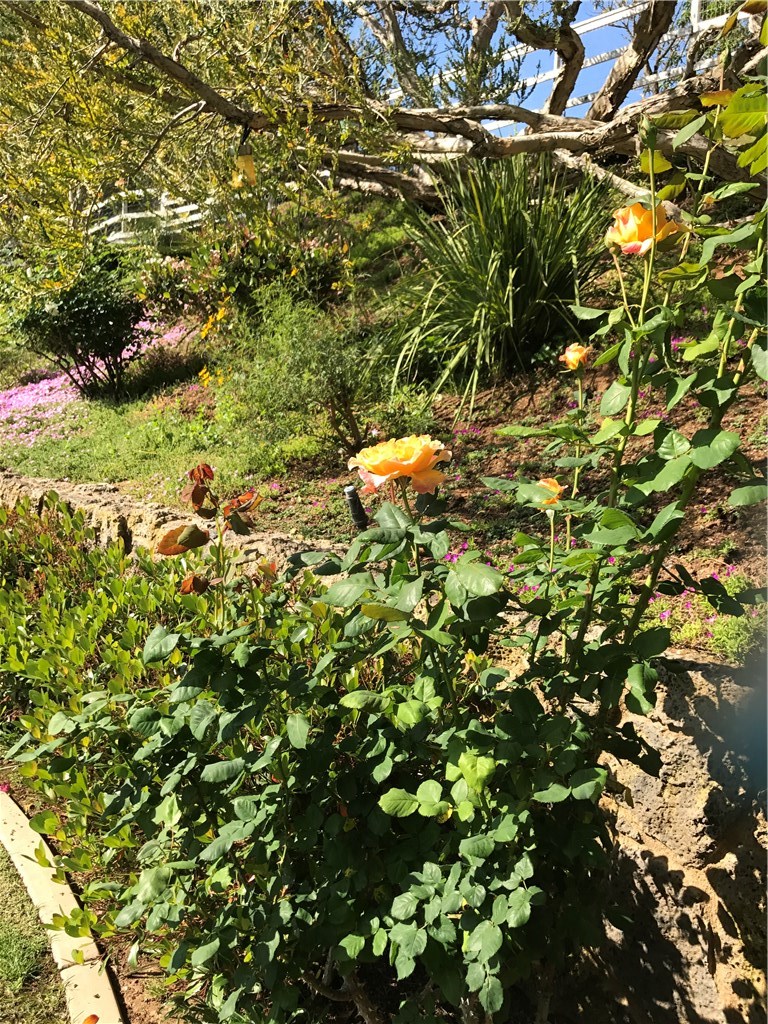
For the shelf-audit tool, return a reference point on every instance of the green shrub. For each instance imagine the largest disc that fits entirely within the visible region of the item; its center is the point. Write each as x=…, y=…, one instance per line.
x=73, y=613
x=88, y=328
x=303, y=361
x=503, y=263
x=342, y=795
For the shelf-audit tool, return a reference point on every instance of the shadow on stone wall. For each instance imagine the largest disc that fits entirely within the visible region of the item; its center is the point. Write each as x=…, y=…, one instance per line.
x=689, y=873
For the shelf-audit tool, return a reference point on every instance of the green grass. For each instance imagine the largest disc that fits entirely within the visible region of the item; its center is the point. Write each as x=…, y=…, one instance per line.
x=154, y=441
x=693, y=622
x=30, y=990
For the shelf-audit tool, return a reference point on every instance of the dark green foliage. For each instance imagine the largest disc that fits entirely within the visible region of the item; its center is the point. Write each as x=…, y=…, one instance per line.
x=89, y=327
x=342, y=786
x=512, y=251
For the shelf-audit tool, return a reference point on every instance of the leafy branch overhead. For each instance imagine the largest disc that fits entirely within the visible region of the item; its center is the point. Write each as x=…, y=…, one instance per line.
x=375, y=93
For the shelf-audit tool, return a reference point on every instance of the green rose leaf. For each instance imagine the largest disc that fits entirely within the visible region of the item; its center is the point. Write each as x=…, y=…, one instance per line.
x=519, y=908
x=760, y=361
x=552, y=794
x=587, y=312
x=205, y=953
x=476, y=769
x=353, y=945
x=748, y=495
x=673, y=446
x=398, y=803
x=588, y=783
x=491, y=994
x=297, y=727
x=383, y=612
x=345, y=593
x=366, y=700
x=478, y=847
x=652, y=642
x=200, y=717
x=642, y=683
x=404, y=906
x=485, y=941
x=672, y=473
x=713, y=446
x=479, y=580
x=614, y=399
x=223, y=771
x=160, y=643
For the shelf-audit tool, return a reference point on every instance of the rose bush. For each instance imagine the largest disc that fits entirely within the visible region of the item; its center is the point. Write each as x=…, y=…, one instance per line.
x=340, y=797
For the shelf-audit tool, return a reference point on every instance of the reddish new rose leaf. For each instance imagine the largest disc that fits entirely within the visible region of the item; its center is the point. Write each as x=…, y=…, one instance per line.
x=181, y=539
x=194, y=584
x=201, y=473
x=248, y=501
x=195, y=493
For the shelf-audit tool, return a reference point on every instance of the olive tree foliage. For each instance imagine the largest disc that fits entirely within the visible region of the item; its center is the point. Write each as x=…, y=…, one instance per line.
x=366, y=94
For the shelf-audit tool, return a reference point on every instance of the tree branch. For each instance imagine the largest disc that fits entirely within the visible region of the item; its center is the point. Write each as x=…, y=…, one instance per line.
x=484, y=29
x=388, y=33
x=584, y=165
x=171, y=68
x=651, y=25
x=563, y=40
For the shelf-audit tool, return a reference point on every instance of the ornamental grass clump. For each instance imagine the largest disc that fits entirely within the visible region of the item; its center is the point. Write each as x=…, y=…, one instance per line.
x=503, y=263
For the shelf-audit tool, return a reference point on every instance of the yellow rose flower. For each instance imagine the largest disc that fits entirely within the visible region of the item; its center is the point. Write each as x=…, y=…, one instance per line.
x=632, y=229
x=548, y=483
x=575, y=356
x=415, y=457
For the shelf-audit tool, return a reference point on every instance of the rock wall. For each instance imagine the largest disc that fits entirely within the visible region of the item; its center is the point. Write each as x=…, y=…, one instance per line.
x=689, y=873
x=116, y=516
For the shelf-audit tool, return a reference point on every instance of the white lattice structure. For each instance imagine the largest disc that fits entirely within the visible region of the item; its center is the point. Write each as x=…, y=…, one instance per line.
x=130, y=214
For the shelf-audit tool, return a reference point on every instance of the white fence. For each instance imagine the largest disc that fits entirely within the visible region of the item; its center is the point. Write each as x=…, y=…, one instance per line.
x=128, y=215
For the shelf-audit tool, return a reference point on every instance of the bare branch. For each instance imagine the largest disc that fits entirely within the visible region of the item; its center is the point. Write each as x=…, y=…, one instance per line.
x=564, y=40
x=188, y=113
x=651, y=25
x=584, y=165
x=388, y=33
x=484, y=28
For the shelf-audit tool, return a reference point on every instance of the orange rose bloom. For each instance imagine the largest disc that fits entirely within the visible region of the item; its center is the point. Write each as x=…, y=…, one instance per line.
x=415, y=457
x=575, y=356
x=548, y=483
x=632, y=229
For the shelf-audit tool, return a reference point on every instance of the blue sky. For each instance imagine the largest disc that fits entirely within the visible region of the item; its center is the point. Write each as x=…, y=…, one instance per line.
x=600, y=40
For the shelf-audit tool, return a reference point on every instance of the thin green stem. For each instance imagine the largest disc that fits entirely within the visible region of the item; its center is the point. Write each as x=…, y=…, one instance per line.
x=415, y=547
x=447, y=680
x=623, y=288
x=551, y=516
x=639, y=364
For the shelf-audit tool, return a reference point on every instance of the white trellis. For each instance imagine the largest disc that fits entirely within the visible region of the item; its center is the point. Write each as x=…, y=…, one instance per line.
x=127, y=215
x=704, y=15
